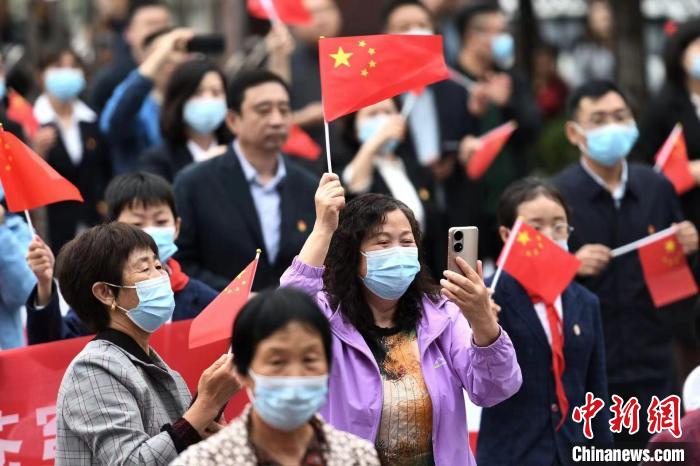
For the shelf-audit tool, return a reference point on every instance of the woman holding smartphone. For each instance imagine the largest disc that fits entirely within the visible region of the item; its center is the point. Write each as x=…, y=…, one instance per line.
x=534, y=426
x=404, y=348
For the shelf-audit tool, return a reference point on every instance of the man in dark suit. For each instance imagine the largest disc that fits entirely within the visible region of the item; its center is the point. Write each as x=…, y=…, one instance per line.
x=250, y=197
x=613, y=204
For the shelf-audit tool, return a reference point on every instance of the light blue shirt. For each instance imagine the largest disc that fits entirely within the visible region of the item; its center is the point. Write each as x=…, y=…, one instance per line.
x=423, y=122
x=267, y=201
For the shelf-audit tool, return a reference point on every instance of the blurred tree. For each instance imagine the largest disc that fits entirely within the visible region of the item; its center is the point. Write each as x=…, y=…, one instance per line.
x=630, y=50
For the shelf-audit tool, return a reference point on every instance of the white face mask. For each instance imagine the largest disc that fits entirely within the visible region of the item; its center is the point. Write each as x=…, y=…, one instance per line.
x=562, y=243
x=419, y=32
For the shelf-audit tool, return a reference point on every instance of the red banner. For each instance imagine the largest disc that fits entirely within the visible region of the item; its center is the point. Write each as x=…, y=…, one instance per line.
x=30, y=378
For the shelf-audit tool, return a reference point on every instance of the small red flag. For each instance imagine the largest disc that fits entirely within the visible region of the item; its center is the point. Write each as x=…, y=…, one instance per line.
x=493, y=142
x=29, y=181
x=300, y=144
x=286, y=11
x=215, y=322
x=359, y=71
x=541, y=266
x=21, y=111
x=672, y=160
x=666, y=270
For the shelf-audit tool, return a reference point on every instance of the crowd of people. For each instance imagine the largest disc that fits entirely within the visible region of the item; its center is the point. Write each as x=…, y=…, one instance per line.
x=358, y=345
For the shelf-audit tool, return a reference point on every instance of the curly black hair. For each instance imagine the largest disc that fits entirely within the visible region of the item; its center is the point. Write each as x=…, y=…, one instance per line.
x=360, y=218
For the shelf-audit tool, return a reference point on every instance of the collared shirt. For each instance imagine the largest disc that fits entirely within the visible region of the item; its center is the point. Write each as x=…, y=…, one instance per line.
x=619, y=192
x=199, y=154
x=267, y=201
x=541, y=310
x=70, y=134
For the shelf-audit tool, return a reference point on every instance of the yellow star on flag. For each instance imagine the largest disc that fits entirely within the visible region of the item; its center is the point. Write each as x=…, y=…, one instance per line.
x=341, y=57
x=364, y=73
x=670, y=246
x=372, y=64
x=371, y=51
x=362, y=43
x=523, y=238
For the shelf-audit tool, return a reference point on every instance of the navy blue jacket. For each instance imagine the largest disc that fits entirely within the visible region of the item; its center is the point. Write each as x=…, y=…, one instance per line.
x=48, y=324
x=522, y=429
x=637, y=335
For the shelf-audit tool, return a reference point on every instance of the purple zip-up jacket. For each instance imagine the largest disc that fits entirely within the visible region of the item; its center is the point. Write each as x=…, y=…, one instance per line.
x=449, y=361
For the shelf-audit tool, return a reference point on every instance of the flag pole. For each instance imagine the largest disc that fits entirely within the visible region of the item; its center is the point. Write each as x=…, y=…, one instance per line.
x=328, y=146
x=271, y=12
x=29, y=222
x=642, y=242
x=459, y=78
x=506, y=252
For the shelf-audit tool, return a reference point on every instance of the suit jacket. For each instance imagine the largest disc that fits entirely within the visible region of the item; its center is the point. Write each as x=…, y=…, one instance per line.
x=522, y=429
x=637, y=335
x=166, y=160
x=90, y=176
x=221, y=230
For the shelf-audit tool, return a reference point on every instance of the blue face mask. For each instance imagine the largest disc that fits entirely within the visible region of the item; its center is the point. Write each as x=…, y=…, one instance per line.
x=156, y=303
x=165, y=240
x=65, y=83
x=611, y=143
x=3, y=88
x=391, y=271
x=371, y=126
x=694, y=70
x=562, y=243
x=204, y=115
x=287, y=403
x=503, y=50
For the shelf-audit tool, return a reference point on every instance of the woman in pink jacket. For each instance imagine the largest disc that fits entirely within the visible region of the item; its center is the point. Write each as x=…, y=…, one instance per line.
x=403, y=347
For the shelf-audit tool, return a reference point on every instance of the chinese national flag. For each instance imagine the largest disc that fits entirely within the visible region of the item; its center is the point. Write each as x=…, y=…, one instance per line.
x=362, y=70
x=672, y=160
x=537, y=263
x=300, y=144
x=21, y=111
x=215, y=322
x=288, y=11
x=666, y=271
x=29, y=181
x=493, y=142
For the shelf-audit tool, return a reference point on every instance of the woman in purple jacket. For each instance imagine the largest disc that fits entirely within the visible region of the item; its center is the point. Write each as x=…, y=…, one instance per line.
x=403, y=348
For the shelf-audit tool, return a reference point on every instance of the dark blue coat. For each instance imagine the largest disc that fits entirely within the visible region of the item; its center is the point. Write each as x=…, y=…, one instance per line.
x=522, y=429
x=637, y=335
x=48, y=324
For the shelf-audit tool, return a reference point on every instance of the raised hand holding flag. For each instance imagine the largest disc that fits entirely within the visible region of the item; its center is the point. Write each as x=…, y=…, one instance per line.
x=285, y=11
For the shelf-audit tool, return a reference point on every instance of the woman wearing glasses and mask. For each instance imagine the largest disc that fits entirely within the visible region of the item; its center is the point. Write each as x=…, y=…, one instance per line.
x=119, y=403
x=535, y=425
x=403, y=347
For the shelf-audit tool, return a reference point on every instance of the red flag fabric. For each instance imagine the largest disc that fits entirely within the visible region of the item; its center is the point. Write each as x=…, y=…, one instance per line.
x=666, y=271
x=300, y=144
x=541, y=266
x=29, y=181
x=287, y=11
x=359, y=71
x=31, y=376
x=21, y=111
x=672, y=160
x=493, y=142
x=215, y=322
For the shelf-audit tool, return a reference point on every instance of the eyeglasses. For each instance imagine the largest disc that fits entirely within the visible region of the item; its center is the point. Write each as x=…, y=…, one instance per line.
x=559, y=230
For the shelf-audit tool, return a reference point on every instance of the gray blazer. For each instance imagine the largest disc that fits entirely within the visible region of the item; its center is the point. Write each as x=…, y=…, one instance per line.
x=113, y=402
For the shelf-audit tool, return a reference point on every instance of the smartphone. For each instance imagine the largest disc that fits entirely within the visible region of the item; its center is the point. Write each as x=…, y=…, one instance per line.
x=211, y=44
x=462, y=242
